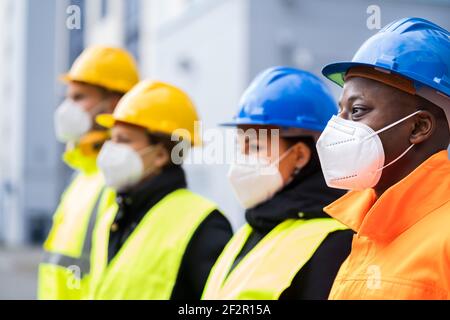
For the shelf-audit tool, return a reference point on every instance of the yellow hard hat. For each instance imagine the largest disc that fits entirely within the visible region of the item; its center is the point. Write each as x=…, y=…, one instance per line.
x=159, y=107
x=111, y=68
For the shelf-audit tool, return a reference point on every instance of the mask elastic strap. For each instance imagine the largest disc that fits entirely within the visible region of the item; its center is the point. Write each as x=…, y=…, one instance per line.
x=398, y=158
x=284, y=155
x=394, y=124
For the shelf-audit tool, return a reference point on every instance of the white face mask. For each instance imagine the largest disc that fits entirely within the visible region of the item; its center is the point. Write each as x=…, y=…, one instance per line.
x=256, y=180
x=121, y=165
x=352, y=155
x=72, y=121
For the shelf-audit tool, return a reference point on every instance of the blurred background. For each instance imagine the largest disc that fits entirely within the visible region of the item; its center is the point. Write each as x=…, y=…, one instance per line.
x=210, y=48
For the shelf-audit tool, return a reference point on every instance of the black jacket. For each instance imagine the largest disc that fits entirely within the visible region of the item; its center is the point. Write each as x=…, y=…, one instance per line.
x=306, y=193
x=203, y=249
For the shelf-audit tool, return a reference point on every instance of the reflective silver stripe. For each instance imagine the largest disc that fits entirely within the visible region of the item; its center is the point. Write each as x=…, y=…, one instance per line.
x=84, y=261
x=87, y=245
x=67, y=262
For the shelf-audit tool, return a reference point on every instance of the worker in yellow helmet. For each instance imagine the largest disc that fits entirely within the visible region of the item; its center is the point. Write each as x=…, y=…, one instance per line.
x=154, y=239
x=96, y=82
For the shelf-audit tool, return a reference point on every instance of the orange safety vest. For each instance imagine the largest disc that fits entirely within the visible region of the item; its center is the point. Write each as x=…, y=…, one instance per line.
x=402, y=246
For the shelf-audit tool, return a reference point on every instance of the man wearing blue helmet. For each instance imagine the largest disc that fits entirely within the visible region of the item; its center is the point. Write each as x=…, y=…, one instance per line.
x=289, y=248
x=388, y=146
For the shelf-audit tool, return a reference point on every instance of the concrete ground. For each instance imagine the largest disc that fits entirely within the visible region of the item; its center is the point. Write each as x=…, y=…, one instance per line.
x=18, y=273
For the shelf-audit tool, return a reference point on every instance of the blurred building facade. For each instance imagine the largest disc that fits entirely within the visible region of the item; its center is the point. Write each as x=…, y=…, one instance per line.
x=210, y=48
x=31, y=173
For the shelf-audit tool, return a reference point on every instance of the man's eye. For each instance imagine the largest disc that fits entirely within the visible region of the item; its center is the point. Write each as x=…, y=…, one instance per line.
x=358, y=110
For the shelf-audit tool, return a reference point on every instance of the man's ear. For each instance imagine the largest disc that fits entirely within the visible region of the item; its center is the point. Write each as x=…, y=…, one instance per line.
x=424, y=126
x=302, y=154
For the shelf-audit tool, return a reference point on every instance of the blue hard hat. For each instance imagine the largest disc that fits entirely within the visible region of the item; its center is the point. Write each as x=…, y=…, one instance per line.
x=288, y=98
x=414, y=48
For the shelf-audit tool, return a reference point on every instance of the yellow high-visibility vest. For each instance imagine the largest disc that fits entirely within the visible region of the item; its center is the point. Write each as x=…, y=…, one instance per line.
x=64, y=271
x=269, y=268
x=147, y=265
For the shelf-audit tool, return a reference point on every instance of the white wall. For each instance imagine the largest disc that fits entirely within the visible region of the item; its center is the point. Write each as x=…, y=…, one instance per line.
x=324, y=31
x=106, y=31
x=204, y=52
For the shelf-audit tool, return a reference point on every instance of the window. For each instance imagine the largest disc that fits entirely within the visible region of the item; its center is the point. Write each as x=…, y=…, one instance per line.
x=132, y=26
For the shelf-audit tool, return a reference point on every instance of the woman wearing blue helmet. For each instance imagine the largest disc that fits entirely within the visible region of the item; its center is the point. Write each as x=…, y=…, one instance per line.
x=289, y=248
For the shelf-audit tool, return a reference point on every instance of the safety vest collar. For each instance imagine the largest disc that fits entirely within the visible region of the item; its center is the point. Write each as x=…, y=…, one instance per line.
x=75, y=159
x=82, y=155
x=268, y=269
x=401, y=206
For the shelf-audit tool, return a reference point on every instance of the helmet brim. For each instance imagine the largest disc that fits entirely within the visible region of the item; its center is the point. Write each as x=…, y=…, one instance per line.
x=105, y=120
x=108, y=121
x=275, y=123
x=65, y=78
x=336, y=71
x=243, y=122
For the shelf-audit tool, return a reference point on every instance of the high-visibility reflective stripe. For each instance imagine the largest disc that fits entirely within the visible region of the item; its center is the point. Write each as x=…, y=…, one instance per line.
x=77, y=265
x=83, y=262
x=87, y=245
